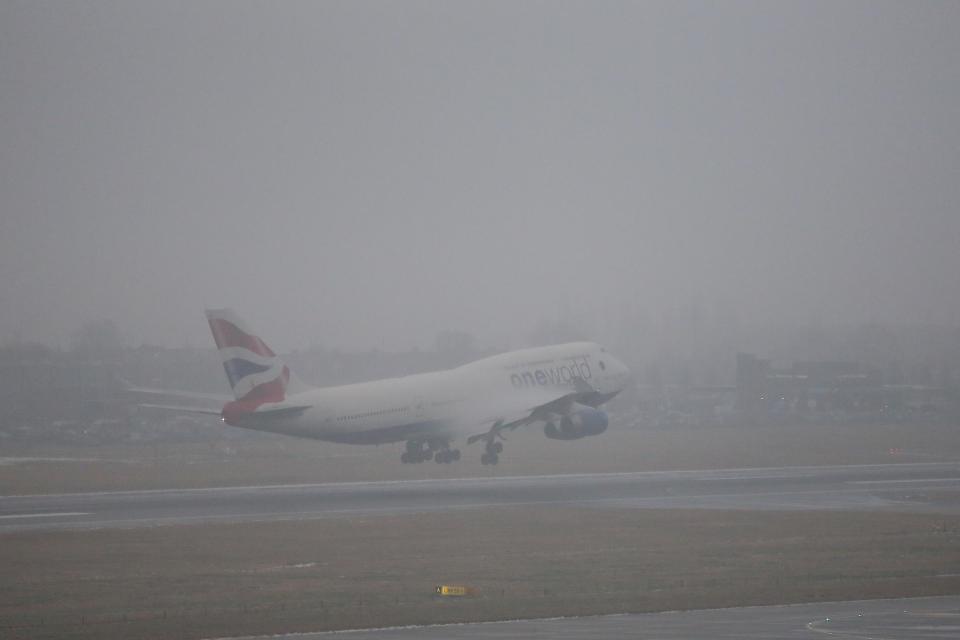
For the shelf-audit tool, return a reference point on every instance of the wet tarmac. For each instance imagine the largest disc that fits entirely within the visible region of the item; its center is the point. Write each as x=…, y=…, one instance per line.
x=903, y=619
x=921, y=487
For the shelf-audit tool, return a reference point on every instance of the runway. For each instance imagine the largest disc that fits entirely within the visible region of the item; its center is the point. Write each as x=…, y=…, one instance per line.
x=904, y=487
x=904, y=619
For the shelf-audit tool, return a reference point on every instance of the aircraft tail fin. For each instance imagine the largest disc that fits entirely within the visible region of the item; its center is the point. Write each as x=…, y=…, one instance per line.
x=256, y=374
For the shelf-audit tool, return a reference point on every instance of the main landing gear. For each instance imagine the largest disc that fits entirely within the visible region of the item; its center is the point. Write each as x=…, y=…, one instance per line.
x=446, y=456
x=421, y=451
x=492, y=454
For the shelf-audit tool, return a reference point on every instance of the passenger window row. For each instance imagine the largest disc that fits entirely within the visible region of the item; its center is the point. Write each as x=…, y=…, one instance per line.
x=371, y=414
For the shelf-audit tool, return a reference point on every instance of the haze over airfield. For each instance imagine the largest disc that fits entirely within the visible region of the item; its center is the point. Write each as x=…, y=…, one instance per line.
x=368, y=174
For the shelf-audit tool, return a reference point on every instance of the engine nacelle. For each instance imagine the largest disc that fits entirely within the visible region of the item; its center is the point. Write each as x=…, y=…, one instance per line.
x=580, y=422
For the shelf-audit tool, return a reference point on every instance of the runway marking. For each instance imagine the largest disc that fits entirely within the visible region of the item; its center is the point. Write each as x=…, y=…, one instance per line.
x=236, y=518
x=646, y=502
x=907, y=481
x=811, y=626
x=814, y=626
x=44, y=515
x=22, y=460
x=849, y=494
x=746, y=473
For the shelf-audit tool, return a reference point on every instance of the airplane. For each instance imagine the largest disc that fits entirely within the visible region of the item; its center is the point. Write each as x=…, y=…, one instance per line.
x=561, y=387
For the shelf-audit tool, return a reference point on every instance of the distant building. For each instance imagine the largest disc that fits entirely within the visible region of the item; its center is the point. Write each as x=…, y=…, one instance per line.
x=838, y=391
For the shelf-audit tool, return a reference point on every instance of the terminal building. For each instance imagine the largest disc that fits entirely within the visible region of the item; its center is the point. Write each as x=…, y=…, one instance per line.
x=834, y=391
x=803, y=392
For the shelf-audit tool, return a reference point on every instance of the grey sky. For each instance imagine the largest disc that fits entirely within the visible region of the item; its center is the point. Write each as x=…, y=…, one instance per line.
x=363, y=174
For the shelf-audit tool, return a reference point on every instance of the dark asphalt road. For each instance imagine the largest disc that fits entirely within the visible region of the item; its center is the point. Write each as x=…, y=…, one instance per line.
x=910, y=487
x=905, y=619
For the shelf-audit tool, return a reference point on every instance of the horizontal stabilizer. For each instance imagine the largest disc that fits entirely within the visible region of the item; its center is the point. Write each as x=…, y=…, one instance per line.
x=279, y=413
x=179, y=409
x=171, y=393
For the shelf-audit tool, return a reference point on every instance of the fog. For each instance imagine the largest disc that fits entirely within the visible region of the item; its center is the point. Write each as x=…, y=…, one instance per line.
x=360, y=175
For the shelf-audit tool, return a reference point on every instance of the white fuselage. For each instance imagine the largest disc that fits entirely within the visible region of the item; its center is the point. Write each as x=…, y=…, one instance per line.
x=447, y=404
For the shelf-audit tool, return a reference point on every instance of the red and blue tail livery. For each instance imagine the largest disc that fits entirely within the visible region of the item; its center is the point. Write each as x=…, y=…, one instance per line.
x=257, y=376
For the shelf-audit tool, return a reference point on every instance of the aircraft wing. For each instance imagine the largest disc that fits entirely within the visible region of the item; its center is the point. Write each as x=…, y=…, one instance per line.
x=531, y=407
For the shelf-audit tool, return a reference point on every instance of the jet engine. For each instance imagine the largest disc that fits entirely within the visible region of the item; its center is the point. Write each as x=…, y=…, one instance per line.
x=581, y=421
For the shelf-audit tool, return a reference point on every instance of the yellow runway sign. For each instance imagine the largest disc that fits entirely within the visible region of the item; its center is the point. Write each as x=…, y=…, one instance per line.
x=454, y=590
